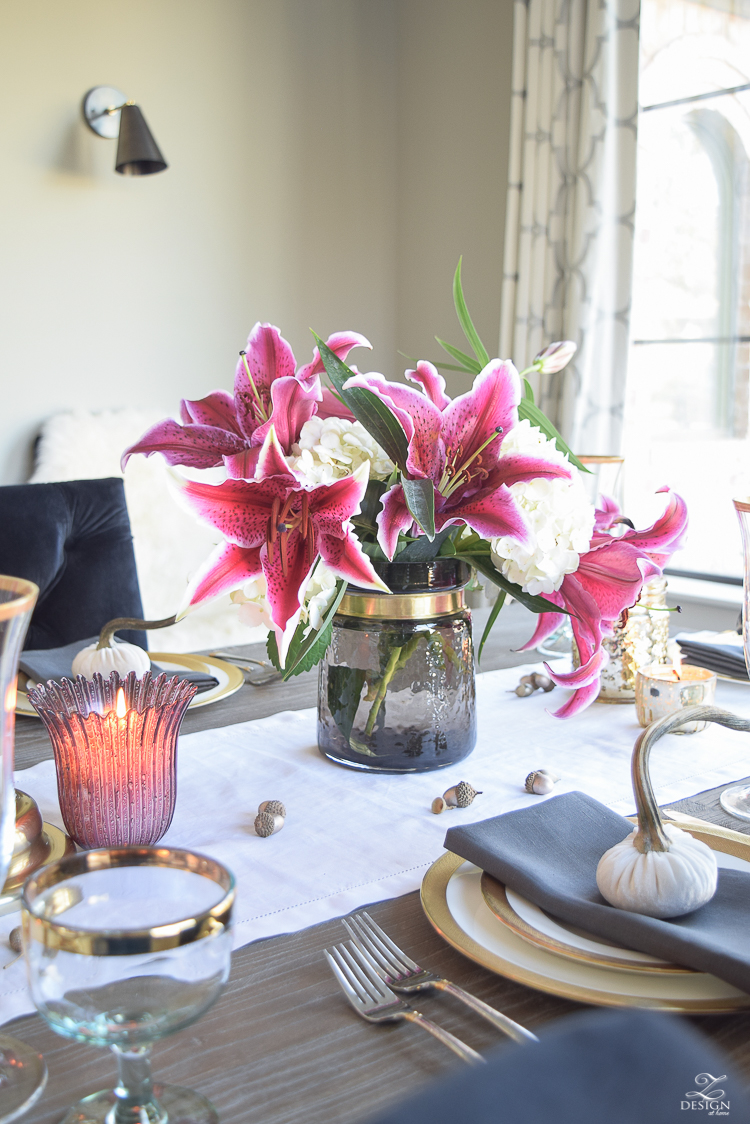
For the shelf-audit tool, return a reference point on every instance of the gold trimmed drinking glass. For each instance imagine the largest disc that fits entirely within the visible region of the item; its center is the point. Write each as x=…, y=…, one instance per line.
x=23, y=1073
x=123, y=946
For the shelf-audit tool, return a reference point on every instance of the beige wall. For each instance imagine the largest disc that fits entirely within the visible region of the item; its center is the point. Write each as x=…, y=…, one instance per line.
x=329, y=160
x=454, y=121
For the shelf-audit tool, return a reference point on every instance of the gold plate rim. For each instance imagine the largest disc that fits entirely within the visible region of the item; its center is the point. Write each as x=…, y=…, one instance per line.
x=435, y=906
x=190, y=662
x=60, y=846
x=494, y=894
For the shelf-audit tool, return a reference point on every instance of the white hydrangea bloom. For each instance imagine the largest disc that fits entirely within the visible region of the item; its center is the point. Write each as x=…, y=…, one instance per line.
x=560, y=518
x=320, y=592
x=252, y=599
x=331, y=448
x=254, y=608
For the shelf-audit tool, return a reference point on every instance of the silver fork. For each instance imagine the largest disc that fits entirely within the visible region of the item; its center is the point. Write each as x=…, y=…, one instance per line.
x=402, y=974
x=266, y=674
x=374, y=1001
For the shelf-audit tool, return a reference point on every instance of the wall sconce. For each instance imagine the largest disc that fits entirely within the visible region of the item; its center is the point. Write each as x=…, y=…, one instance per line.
x=109, y=114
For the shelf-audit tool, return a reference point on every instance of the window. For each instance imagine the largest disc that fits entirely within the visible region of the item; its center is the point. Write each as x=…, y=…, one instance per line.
x=687, y=402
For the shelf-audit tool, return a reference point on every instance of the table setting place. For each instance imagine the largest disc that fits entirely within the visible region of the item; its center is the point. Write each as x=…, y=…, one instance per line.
x=527, y=805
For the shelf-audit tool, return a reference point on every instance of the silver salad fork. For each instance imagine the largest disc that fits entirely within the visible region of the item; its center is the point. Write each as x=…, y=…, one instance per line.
x=375, y=1002
x=401, y=973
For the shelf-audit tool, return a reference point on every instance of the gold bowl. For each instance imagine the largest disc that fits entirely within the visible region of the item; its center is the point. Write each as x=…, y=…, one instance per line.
x=36, y=844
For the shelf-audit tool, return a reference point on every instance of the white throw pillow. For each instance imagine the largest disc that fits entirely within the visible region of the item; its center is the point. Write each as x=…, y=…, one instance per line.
x=170, y=543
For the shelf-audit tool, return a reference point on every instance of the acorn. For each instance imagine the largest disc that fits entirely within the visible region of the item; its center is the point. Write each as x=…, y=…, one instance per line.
x=266, y=823
x=542, y=681
x=528, y=679
x=273, y=807
x=15, y=940
x=541, y=781
x=438, y=805
x=461, y=795
x=524, y=689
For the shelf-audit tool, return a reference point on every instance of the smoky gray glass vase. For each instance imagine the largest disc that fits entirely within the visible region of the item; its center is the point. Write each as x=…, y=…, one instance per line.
x=396, y=689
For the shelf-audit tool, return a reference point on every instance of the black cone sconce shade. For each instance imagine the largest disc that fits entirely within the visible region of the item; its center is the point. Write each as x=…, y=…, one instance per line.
x=137, y=152
x=106, y=111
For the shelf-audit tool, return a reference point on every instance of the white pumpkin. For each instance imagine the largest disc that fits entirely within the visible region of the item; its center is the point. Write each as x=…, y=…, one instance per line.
x=116, y=656
x=658, y=883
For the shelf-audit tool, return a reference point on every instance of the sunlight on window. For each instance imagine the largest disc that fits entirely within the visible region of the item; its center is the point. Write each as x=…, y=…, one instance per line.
x=687, y=399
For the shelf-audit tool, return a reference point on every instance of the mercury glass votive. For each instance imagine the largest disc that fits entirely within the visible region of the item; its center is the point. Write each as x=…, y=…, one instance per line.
x=662, y=689
x=115, y=746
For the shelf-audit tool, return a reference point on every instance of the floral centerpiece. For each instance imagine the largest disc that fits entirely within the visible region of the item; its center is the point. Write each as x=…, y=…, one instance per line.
x=327, y=483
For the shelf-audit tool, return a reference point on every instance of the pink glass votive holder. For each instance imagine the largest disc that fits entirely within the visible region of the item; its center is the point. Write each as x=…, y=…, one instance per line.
x=115, y=746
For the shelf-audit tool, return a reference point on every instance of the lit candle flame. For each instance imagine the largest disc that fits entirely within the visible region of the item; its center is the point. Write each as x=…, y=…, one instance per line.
x=10, y=697
x=120, y=708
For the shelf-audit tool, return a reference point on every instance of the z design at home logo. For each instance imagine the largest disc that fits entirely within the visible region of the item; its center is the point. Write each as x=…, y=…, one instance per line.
x=707, y=1097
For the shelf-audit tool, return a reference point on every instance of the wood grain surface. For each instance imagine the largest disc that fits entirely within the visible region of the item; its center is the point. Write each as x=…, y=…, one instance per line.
x=282, y=1045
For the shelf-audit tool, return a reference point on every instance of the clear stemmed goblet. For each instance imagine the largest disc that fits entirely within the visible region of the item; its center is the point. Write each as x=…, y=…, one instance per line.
x=736, y=800
x=23, y=1073
x=125, y=945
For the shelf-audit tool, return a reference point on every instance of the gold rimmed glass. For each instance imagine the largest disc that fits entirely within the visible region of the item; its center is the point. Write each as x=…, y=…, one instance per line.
x=605, y=477
x=123, y=946
x=22, y=1071
x=736, y=800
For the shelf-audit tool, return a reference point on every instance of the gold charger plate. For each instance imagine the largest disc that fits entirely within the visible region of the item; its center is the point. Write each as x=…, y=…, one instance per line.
x=230, y=678
x=453, y=903
x=57, y=844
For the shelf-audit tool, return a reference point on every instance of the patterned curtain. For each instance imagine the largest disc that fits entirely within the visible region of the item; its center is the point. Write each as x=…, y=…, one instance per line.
x=571, y=203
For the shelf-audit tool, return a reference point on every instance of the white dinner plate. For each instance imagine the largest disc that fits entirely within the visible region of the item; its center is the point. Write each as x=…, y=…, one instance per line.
x=230, y=678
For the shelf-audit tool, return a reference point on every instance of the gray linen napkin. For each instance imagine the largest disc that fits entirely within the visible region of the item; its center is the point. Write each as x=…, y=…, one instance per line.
x=716, y=657
x=55, y=663
x=549, y=853
x=711, y=650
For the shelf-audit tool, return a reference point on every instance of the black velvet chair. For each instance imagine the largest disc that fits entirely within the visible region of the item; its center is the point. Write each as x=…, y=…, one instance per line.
x=608, y=1067
x=73, y=539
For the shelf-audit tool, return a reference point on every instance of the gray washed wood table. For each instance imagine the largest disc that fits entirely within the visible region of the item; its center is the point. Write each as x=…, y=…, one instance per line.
x=282, y=1046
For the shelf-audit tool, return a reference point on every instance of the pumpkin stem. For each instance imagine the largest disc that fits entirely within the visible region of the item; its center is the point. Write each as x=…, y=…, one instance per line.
x=111, y=627
x=651, y=835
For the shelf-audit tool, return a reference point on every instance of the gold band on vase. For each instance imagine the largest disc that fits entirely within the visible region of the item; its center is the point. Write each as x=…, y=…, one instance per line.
x=402, y=606
x=46, y=929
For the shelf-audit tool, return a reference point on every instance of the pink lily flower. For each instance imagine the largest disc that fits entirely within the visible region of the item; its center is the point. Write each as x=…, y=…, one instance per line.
x=456, y=443
x=274, y=526
x=606, y=513
x=222, y=428
x=608, y=580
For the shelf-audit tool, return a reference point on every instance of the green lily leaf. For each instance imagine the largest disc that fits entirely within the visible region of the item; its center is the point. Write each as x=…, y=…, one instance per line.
x=482, y=562
x=420, y=499
x=344, y=693
x=367, y=408
x=451, y=367
x=528, y=393
x=423, y=550
x=466, y=361
x=529, y=411
x=465, y=320
x=499, y=602
x=370, y=506
x=305, y=652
